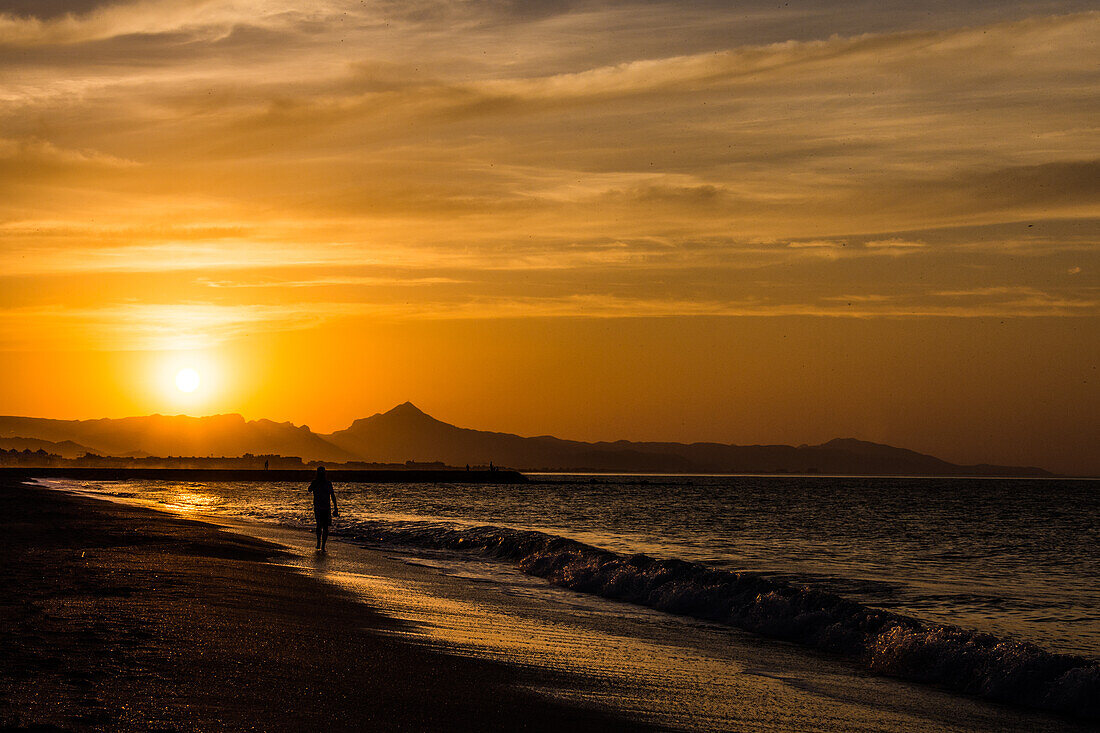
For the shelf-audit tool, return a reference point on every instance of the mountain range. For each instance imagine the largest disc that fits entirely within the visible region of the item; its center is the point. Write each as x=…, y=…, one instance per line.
x=405, y=433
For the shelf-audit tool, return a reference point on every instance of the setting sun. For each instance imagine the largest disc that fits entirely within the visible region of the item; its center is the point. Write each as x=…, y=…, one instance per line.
x=187, y=380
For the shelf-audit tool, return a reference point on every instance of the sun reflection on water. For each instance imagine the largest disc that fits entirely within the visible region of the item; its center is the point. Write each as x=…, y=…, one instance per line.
x=189, y=501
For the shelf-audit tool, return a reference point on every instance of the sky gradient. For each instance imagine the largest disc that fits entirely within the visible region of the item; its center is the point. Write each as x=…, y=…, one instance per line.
x=738, y=222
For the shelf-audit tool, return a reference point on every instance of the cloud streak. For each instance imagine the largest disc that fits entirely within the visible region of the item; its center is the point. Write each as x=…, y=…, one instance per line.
x=201, y=325
x=208, y=19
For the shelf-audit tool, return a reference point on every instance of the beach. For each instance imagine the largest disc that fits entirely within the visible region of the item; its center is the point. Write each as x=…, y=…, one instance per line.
x=183, y=606
x=124, y=618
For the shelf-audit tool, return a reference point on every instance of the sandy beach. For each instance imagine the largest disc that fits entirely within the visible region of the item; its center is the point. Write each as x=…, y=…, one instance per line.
x=124, y=618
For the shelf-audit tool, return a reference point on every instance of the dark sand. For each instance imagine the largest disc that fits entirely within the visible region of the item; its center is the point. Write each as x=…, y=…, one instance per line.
x=123, y=618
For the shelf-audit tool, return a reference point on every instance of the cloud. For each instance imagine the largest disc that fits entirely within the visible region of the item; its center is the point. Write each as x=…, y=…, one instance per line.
x=145, y=326
x=336, y=280
x=194, y=325
x=894, y=243
x=31, y=151
x=206, y=250
x=822, y=244
x=46, y=9
x=893, y=247
x=853, y=247
x=1020, y=305
x=864, y=298
x=213, y=18
x=1041, y=190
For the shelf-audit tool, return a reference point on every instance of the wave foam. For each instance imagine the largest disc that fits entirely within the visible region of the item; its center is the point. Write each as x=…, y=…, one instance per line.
x=888, y=643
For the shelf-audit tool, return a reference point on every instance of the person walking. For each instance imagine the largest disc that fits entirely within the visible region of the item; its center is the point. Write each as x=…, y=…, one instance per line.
x=321, y=488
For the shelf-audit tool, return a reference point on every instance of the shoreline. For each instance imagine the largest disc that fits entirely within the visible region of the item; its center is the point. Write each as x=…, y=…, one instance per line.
x=496, y=635
x=127, y=618
x=305, y=475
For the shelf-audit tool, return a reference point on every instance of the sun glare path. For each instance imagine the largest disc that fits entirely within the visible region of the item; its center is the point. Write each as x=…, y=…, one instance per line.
x=187, y=380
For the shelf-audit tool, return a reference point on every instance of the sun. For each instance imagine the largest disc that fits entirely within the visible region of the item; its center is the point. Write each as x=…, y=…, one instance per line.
x=191, y=380
x=187, y=380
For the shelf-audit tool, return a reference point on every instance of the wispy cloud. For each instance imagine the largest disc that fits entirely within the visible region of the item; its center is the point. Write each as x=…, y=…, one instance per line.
x=195, y=325
x=317, y=282
x=211, y=19
x=893, y=244
x=145, y=326
x=32, y=151
x=1018, y=305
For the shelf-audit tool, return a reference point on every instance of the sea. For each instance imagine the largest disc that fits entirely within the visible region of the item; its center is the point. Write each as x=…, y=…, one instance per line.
x=985, y=586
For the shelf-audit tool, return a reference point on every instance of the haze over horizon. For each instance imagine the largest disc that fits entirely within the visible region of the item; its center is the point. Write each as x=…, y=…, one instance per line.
x=598, y=220
x=405, y=432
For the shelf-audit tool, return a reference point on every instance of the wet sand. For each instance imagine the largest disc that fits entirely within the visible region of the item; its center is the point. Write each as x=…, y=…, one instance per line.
x=124, y=618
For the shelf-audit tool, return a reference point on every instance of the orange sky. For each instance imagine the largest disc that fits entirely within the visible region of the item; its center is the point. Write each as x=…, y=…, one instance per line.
x=686, y=221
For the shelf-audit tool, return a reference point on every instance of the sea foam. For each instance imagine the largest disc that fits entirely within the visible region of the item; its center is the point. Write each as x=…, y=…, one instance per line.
x=888, y=643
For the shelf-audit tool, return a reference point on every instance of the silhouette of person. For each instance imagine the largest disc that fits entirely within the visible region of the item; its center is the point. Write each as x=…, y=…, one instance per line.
x=322, y=491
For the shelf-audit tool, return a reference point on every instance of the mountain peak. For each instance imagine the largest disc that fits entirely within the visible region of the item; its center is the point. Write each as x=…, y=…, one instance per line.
x=852, y=443
x=406, y=408
x=406, y=415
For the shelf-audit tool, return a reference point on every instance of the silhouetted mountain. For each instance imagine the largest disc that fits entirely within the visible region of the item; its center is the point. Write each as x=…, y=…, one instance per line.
x=179, y=435
x=405, y=433
x=65, y=448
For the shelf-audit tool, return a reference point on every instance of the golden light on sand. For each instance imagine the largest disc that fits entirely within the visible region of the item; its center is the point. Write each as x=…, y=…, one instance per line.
x=187, y=380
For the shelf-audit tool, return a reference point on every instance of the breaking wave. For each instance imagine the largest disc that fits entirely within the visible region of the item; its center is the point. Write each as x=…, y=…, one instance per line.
x=888, y=643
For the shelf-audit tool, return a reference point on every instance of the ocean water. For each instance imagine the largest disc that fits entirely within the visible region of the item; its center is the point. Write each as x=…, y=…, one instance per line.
x=987, y=586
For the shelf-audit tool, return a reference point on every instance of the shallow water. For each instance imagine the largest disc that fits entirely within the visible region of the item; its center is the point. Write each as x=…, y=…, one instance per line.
x=1017, y=558
x=677, y=672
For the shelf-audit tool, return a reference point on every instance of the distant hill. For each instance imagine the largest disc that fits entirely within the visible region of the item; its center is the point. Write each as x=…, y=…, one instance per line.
x=65, y=448
x=408, y=432
x=179, y=435
x=405, y=433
